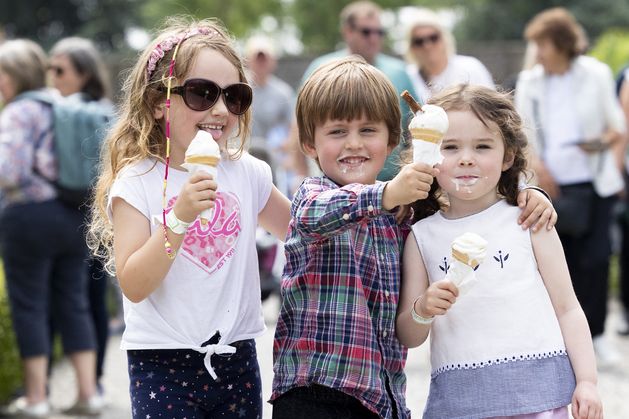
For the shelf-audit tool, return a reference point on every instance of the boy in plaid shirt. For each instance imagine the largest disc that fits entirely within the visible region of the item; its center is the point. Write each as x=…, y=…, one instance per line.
x=335, y=351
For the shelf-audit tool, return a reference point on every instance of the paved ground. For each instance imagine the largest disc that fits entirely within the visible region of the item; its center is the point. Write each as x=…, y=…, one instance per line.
x=613, y=384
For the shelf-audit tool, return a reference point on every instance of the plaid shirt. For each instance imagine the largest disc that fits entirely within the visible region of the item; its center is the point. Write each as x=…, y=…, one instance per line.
x=340, y=292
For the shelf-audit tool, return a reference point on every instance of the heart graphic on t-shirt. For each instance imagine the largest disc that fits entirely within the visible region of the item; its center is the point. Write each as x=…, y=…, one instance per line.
x=210, y=245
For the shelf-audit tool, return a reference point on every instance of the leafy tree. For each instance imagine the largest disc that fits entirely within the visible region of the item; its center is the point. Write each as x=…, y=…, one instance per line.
x=46, y=21
x=239, y=16
x=612, y=47
x=506, y=19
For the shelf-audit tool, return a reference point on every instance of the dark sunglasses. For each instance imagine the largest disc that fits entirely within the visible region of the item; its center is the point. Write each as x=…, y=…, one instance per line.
x=367, y=32
x=57, y=70
x=201, y=95
x=420, y=41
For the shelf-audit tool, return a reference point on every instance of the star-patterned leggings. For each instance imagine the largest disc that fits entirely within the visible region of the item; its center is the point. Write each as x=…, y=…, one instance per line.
x=175, y=384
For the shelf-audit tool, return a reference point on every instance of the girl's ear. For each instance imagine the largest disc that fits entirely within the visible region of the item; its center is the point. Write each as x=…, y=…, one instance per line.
x=509, y=158
x=158, y=111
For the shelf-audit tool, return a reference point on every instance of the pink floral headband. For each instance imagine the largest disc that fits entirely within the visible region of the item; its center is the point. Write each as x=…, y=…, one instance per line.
x=169, y=43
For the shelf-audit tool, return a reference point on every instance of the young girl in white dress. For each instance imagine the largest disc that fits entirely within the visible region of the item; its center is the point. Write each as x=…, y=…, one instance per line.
x=516, y=343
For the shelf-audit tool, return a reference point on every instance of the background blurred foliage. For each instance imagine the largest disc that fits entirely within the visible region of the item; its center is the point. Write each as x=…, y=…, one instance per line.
x=500, y=20
x=239, y=16
x=10, y=367
x=46, y=21
x=613, y=48
x=105, y=21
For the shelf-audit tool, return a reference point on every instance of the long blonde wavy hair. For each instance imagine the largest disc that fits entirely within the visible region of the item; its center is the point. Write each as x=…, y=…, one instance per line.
x=137, y=135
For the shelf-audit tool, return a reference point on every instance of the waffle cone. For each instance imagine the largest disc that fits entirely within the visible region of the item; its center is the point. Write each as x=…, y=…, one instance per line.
x=428, y=135
x=464, y=258
x=207, y=160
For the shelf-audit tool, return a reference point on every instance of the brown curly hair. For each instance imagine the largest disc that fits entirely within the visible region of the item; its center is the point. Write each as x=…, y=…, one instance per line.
x=491, y=108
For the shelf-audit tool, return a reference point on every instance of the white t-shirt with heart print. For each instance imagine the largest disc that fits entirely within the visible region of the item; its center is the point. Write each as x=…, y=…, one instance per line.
x=213, y=284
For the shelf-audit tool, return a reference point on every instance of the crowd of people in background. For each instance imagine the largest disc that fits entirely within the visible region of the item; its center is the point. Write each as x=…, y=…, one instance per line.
x=574, y=118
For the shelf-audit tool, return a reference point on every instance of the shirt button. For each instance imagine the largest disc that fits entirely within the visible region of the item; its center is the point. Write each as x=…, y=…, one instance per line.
x=382, y=257
x=370, y=208
x=346, y=217
x=384, y=334
x=387, y=294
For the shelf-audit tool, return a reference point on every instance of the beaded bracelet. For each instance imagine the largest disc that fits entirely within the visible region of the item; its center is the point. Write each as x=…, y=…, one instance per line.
x=416, y=317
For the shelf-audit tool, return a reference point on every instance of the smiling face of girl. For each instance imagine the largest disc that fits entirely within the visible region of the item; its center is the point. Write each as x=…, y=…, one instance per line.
x=474, y=159
x=217, y=120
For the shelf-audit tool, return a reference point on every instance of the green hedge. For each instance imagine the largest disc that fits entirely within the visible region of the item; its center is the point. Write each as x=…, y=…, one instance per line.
x=10, y=365
x=612, y=47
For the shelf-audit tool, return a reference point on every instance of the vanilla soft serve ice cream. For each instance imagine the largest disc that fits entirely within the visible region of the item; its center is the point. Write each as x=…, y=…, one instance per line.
x=469, y=248
x=203, y=150
x=427, y=128
x=203, y=153
x=468, y=251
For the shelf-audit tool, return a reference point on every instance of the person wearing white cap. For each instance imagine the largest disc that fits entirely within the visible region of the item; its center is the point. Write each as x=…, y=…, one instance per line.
x=433, y=61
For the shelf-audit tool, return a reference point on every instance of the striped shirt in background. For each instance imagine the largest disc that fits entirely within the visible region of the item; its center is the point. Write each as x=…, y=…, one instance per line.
x=340, y=292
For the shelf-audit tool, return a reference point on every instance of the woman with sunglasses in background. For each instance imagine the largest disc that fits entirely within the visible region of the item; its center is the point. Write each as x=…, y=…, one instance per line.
x=191, y=289
x=433, y=62
x=41, y=242
x=78, y=72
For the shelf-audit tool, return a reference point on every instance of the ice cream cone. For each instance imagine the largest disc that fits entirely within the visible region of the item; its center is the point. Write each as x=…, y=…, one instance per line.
x=425, y=134
x=203, y=154
x=465, y=258
x=468, y=252
x=427, y=128
x=206, y=160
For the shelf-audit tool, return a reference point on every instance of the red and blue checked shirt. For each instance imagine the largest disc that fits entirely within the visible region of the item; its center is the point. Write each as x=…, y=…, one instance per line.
x=340, y=292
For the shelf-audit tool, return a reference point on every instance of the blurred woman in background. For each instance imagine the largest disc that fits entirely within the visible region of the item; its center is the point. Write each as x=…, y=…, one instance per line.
x=433, y=61
x=578, y=144
x=41, y=241
x=77, y=70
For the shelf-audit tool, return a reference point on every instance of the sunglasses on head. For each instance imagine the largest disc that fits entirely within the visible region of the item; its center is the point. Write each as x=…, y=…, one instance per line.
x=367, y=32
x=202, y=94
x=420, y=41
x=57, y=70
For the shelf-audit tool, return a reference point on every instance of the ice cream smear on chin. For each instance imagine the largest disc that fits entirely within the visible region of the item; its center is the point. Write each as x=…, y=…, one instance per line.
x=468, y=252
x=203, y=154
x=427, y=129
x=465, y=181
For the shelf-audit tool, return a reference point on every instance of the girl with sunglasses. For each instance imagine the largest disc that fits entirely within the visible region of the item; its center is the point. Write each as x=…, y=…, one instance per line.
x=191, y=290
